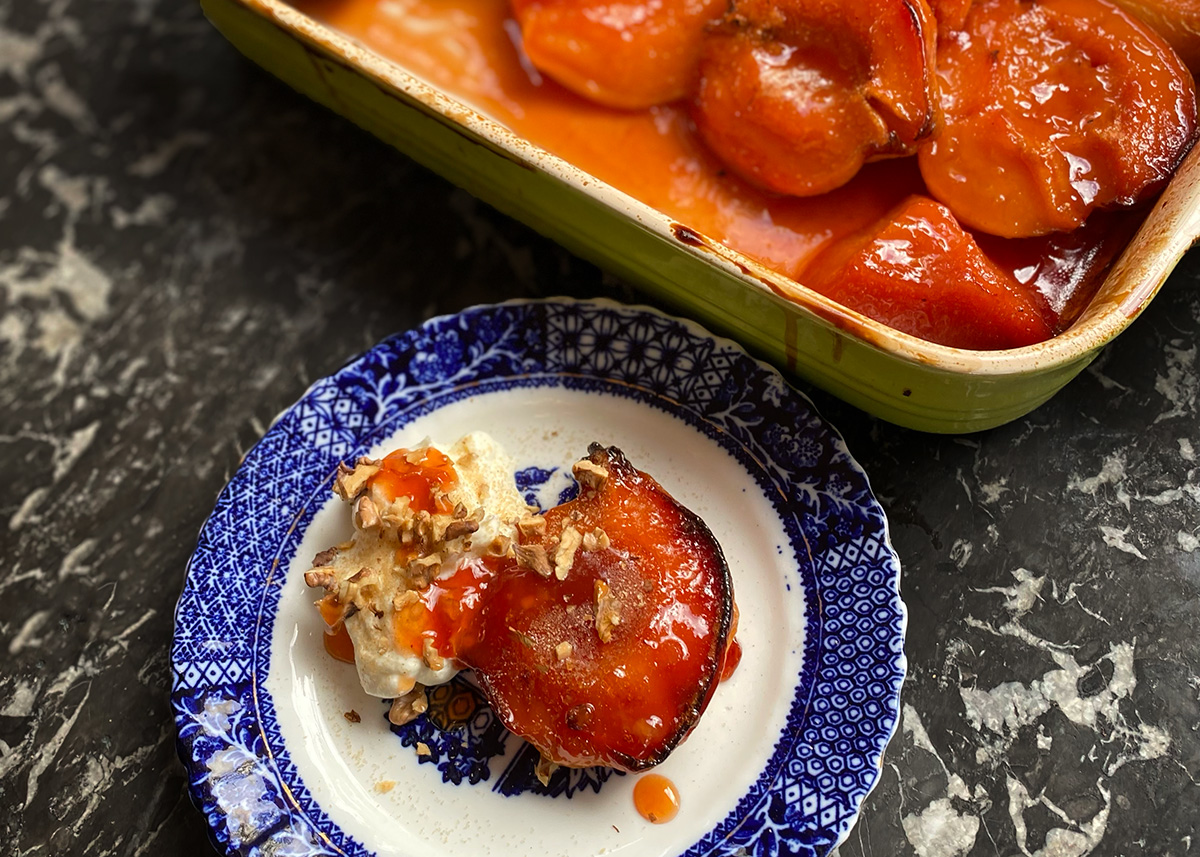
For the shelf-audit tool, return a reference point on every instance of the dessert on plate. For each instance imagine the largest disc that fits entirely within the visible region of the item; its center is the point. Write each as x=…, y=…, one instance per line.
x=598, y=629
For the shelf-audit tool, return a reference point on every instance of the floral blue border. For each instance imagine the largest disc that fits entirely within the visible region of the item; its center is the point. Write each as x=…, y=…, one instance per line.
x=846, y=699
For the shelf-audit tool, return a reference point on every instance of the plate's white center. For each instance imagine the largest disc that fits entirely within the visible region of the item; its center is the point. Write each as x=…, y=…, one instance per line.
x=374, y=788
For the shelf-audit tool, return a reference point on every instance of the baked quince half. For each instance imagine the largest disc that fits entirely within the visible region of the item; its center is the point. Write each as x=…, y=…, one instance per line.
x=603, y=646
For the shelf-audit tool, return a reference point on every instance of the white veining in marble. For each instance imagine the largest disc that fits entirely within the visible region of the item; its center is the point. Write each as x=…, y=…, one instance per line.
x=1077, y=839
x=939, y=829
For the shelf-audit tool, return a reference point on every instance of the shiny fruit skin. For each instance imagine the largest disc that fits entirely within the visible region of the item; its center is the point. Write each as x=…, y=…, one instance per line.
x=796, y=96
x=624, y=703
x=918, y=271
x=1052, y=110
x=628, y=55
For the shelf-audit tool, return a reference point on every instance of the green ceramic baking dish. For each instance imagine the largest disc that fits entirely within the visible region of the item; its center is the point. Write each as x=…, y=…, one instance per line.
x=892, y=375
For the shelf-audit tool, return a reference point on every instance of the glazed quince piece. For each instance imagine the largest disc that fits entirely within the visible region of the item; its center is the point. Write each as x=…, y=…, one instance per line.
x=603, y=644
x=629, y=54
x=1052, y=110
x=919, y=271
x=796, y=96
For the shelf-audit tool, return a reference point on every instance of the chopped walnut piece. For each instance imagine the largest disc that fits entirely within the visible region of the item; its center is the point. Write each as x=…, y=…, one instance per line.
x=589, y=475
x=533, y=526
x=402, y=599
x=534, y=556
x=564, y=557
x=432, y=659
x=563, y=650
x=423, y=530
x=366, y=513
x=458, y=529
x=315, y=577
x=325, y=557
x=351, y=481
x=608, y=611
x=500, y=546
x=352, y=715
x=398, y=515
x=596, y=540
x=408, y=707
x=416, y=456
x=544, y=770
x=422, y=571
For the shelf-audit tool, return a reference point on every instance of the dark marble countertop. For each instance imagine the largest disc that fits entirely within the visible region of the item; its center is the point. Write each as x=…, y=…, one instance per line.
x=186, y=244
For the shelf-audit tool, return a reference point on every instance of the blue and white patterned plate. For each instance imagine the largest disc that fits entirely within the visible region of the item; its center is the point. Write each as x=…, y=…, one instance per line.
x=286, y=755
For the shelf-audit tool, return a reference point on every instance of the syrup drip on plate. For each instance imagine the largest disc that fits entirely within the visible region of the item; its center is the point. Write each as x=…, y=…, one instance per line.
x=656, y=798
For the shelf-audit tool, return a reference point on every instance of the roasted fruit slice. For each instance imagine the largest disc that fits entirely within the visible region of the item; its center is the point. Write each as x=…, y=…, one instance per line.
x=603, y=645
x=1054, y=109
x=918, y=271
x=796, y=96
x=630, y=54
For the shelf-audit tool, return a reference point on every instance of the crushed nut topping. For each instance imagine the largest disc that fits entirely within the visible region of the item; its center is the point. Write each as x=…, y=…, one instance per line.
x=590, y=475
x=544, y=770
x=608, y=611
x=423, y=570
x=532, y=527
x=315, y=578
x=563, y=650
x=423, y=749
x=366, y=513
x=408, y=707
x=534, y=557
x=352, y=715
x=458, y=529
x=423, y=530
x=325, y=557
x=352, y=481
x=564, y=557
x=500, y=546
x=596, y=540
x=432, y=659
x=398, y=515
